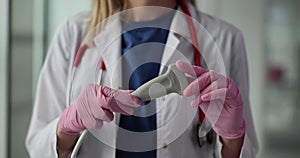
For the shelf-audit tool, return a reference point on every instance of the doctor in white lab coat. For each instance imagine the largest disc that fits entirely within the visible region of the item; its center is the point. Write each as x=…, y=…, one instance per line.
x=222, y=50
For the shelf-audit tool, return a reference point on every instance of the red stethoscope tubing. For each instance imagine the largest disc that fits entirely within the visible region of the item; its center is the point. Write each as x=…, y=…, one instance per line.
x=197, y=52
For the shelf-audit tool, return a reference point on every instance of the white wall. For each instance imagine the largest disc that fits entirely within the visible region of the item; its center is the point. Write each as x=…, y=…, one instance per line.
x=248, y=15
x=3, y=100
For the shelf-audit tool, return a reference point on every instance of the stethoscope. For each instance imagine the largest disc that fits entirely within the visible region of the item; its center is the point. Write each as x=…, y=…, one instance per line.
x=202, y=140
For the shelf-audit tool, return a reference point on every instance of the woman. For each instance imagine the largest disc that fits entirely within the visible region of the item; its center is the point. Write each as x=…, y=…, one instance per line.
x=56, y=126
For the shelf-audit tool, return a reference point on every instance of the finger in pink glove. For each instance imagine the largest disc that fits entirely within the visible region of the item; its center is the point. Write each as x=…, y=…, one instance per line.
x=119, y=101
x=218, y=97
x=94, y=105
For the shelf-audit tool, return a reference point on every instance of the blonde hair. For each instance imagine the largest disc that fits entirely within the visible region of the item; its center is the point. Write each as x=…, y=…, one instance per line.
x=102, y=9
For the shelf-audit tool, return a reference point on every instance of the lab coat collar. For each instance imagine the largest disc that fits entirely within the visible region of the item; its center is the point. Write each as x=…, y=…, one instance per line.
x=179, y=26
x=109, y=42
x=178, y=32
x=113, y=31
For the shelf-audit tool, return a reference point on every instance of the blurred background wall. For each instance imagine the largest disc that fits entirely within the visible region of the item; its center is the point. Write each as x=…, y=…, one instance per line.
x=20, y=71
x=272, y=36
x=3, y=79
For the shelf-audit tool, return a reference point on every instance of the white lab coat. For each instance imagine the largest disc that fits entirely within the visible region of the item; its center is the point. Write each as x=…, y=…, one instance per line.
x=222, y=48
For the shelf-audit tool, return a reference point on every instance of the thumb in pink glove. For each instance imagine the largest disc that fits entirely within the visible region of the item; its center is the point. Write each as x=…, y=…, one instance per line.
x=218, y=97
x=94, y=105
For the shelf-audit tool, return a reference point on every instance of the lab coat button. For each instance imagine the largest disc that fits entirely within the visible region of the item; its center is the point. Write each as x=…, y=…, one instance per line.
x=163, y=99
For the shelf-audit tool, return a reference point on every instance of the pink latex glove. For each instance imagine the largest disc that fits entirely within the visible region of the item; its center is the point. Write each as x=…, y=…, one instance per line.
x=218, y=97
x=94, y=105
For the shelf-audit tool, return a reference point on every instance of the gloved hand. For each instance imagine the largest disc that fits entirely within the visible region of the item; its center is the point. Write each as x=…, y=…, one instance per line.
x=94, y=105
x=218, y=97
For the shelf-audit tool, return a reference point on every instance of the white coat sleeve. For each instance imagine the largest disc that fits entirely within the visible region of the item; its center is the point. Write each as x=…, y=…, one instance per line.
x=50, y=98
x=239, y=73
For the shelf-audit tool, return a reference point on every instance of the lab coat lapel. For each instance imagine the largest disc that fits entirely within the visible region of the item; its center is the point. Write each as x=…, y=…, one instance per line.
x=178, y=32
x=108, y=42
x=178, y=47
